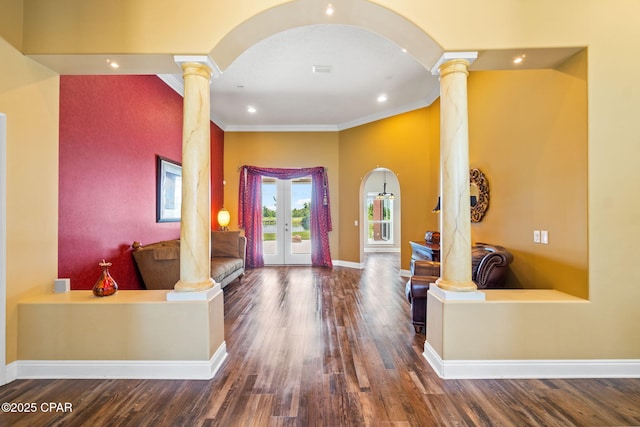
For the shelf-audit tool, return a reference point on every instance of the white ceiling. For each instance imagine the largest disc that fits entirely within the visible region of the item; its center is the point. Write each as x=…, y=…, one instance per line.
x=276, y=76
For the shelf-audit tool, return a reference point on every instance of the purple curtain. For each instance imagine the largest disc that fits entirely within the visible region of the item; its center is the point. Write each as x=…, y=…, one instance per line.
x=250, y=211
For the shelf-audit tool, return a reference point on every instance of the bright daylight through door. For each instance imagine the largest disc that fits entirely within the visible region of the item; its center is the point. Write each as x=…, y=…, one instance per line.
x=286, y=213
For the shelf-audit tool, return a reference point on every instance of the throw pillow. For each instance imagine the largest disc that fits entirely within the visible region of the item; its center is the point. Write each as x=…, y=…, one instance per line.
x=224, y=243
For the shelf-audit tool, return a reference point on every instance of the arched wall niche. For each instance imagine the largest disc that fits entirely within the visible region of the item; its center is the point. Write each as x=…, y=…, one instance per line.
x=360, y=13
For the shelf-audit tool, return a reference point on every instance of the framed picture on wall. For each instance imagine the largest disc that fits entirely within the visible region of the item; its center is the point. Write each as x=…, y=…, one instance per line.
x=168, y=190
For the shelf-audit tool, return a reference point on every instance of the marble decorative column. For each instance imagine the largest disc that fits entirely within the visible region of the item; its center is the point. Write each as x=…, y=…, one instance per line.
x=195, y=225
x=455, y=213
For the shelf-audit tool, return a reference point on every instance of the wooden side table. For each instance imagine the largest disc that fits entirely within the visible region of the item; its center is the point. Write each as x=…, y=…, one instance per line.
x=424, y=251
x=428, y=251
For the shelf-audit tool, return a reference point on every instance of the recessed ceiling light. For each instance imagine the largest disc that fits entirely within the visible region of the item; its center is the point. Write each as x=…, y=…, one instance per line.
x=519, y=59
x=321, y=68
x=113, y=64
x=329, y=10
x=382, y=98
x=251, y=109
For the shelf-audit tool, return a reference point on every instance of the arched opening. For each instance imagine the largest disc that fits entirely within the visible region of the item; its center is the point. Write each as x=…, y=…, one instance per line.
x=366, y=17
x=380, y=207
x=359, y=13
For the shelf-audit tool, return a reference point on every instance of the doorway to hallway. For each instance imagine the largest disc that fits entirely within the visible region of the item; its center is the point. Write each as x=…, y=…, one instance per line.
x=381, y=204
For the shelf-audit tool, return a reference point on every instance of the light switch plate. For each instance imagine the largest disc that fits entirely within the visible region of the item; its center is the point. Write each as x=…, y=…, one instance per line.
x=536, y=236
x=544, y=237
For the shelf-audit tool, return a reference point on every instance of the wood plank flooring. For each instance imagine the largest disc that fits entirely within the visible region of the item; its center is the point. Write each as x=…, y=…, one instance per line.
x=321, y=347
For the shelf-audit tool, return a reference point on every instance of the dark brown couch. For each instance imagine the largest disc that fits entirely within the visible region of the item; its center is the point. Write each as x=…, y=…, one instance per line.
x=489, y=268
x=159, y=263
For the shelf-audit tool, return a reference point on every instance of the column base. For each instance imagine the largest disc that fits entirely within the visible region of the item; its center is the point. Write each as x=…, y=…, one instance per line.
x=193, y=287
x=448, y=295
x=454, y=286
x=205, y=295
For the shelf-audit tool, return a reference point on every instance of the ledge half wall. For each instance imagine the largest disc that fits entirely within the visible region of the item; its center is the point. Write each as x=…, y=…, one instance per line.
x=132, y=334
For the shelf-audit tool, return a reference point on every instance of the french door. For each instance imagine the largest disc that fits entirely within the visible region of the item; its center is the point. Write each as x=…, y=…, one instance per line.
x=286, y=228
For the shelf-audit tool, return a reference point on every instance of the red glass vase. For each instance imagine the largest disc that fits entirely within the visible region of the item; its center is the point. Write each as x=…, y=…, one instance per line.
x=105, y=286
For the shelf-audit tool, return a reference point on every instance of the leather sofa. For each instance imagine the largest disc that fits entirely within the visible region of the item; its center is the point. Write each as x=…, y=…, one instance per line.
x=159, y=263
x=489, y=268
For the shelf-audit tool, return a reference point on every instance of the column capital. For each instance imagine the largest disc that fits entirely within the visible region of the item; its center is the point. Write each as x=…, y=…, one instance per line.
x=194, y=61
x=196, y=69
x=457, y=57
x=454, y=66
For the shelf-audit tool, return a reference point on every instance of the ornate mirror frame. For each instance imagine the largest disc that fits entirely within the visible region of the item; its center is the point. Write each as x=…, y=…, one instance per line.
x=479, y=181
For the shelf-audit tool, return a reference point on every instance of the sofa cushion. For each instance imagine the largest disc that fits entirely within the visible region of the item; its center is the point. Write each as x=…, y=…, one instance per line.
x=166, y=252
x=159, y=264
x=221, y=267
x=224, y=244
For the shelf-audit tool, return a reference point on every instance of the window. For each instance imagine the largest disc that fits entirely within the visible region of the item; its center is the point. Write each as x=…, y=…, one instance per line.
x=379, y=219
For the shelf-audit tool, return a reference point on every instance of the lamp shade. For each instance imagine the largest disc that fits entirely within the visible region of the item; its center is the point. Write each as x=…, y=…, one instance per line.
x=437, y=208
x=223, y=218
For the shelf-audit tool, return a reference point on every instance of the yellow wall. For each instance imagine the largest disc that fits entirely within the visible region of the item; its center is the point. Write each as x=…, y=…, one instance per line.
x=124, y=26
x=282, y=150
x=528, y=134
x=407, y=144
x=534, y=157
x=11, y=22
x=29, y=98
x=404, y=144
x=609, y=31
x=606, y=327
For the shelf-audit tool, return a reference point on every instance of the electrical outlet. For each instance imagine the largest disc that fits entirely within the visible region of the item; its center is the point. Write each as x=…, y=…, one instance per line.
x=544, y=237
x=536, y=236
x=355, y=223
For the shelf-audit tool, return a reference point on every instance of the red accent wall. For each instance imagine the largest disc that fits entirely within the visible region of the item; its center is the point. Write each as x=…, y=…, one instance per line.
x=111, y=129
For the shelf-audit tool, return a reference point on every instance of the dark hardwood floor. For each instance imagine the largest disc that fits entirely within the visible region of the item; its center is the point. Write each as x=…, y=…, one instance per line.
x=320, y=347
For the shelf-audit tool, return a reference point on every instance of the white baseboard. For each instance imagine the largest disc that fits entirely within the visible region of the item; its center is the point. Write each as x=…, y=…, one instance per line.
x=405, y=273
x=349, y=264
x=118, y=369
x=11, y=372
x=360, y=266
x=570, y=368
x=382, y=250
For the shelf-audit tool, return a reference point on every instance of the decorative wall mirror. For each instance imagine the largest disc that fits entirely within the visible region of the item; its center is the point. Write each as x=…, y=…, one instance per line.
x=479, y=189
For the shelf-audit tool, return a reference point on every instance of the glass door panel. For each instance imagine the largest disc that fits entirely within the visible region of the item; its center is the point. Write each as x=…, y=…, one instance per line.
x=286, y=214
x=299, y=244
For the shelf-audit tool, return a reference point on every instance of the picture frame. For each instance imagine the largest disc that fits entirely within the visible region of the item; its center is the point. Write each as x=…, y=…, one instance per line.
x=168, y=190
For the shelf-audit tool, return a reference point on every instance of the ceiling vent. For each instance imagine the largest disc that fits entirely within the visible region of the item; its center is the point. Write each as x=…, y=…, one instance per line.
x=322, y=68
